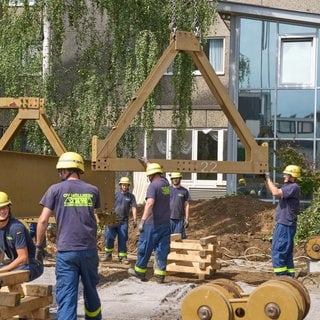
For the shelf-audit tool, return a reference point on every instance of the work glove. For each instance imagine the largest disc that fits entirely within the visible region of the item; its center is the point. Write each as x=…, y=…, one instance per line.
x=141, y=225
x=2, y=254
x=134, y=223
x=186, y=223
x=266, y=175
x=39, y=254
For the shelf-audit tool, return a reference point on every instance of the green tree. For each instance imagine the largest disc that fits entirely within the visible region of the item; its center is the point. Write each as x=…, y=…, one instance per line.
x=309, y=218
x=116, y=43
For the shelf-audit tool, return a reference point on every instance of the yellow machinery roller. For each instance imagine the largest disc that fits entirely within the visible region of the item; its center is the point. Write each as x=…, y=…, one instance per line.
x=283, y=298
x=312, y=247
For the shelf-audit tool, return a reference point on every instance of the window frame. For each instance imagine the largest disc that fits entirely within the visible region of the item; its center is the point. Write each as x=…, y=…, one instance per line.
x=297, y=39
x=221, y=135
x=223, y=55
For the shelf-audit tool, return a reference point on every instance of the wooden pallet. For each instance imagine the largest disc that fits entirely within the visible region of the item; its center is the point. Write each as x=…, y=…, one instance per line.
x=23, y=300
x=197, y=257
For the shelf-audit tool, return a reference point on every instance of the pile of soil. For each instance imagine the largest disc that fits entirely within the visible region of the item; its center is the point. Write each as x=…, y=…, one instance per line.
x=243, y=226
x=239, y=222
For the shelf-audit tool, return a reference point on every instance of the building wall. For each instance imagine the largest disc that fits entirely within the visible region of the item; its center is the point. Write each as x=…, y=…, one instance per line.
x=312, y=6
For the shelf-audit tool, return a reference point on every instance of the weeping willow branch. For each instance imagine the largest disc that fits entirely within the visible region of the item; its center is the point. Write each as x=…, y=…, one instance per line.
x=115, y=44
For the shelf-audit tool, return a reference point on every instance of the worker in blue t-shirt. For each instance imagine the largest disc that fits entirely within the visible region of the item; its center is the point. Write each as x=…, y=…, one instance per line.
x=16, y=243
x=73, y=203
x=124, y=202
x=154, y=226
x=286, y=217
x=179, y=205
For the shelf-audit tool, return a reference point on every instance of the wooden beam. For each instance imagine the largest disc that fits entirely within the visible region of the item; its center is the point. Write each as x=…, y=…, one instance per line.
x=14, y=277
x=256, y=157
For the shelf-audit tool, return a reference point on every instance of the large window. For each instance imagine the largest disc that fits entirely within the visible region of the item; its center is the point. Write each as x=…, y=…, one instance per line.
x=278, y=95
x=207, y=144
x=297, y=61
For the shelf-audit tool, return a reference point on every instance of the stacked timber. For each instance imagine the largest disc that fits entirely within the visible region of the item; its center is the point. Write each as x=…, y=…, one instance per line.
x=21, y=299
x=196, y=257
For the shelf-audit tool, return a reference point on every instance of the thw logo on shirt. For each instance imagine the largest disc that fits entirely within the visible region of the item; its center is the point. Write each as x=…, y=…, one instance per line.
x=165, y=190
x=78, y=200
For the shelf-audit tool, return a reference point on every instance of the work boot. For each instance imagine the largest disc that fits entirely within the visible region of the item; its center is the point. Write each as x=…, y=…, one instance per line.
x=159, y=279
x=136, y=274
x=107, y=257
x=123, y=260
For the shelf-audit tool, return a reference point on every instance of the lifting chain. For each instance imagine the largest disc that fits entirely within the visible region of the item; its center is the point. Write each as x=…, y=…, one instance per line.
x=195, y=25
x=173, y=23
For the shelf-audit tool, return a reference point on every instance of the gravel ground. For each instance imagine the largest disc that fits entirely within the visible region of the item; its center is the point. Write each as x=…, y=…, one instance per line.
x=132, y=299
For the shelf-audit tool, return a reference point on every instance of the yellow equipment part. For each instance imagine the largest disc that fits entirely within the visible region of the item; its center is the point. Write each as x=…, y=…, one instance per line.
x=312, y=247
x=301, y=291
x=283, y=298
x=274, y=300
x=206, y=302
x=26, y=176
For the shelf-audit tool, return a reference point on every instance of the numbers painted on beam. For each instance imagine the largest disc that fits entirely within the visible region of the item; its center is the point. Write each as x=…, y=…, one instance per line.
x=208, y=166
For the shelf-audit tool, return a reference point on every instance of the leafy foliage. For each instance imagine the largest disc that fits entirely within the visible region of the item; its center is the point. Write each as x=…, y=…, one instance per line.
x=113, y=44
x=309, y=219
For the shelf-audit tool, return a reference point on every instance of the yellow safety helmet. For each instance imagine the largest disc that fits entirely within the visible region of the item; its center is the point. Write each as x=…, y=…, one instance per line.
x=293, y=170
x=242, y=181
x=153, y=168
x=124, y=180
x=175, y=175
x=70, y=160
x=4, y=199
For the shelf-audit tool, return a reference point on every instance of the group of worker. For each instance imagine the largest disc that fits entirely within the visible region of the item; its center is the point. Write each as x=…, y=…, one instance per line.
x=73, y=203
x=174, y=203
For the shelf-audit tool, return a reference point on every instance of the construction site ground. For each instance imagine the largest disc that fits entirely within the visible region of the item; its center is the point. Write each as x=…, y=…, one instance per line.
x=243, y=226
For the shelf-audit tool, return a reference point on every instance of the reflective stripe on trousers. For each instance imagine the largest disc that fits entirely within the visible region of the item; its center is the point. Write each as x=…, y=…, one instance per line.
x=282, y=249
x=111, y=233
x=70, y=267
x=157, y=239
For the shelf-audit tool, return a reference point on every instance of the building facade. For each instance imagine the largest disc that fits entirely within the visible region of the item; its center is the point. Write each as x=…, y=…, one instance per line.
x=267, y=54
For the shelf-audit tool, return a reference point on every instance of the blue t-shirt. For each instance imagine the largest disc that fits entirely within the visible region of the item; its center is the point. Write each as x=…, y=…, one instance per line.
x=123, y=202
x=16, y=236
x=73, y=202
x=289, y=205
x=159, y=190
x=178, y=198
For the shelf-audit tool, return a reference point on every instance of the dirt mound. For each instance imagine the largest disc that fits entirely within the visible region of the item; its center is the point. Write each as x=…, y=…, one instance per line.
x=239, y=222
x=231, y=215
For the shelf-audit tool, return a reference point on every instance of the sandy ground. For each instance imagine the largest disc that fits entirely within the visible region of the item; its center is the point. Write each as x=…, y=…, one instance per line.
x=132, y=299
x=243, y=226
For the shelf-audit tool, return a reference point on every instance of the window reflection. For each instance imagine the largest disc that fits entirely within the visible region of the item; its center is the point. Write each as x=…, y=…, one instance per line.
x=207, y=150
x=158, y=146
x=181, y=148
x=257, y=64
x=277, y=94
x=257, y=109
x=295, y=103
